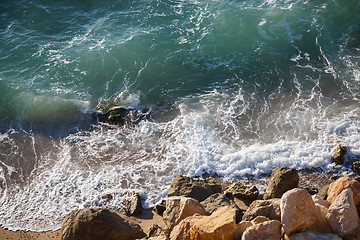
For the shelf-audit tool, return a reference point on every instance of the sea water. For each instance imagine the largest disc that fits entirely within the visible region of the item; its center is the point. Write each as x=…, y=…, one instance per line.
x=234, y=88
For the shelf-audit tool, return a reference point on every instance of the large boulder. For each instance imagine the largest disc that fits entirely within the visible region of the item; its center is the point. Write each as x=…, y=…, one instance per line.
x=182, y=230
x=268, y=208
x=218, y=200
x=196, y=188
x=269, y=230
x=241, y=192
x=311, y=235
x=342, y=183
x=219, y=225
x=240, y=229
x=298, y=211
x=282, y=179
x=342, y=214
x=178, y=208
x=98, y=224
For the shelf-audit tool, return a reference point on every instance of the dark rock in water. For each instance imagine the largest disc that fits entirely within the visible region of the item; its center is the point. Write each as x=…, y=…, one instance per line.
x=241, y=192
x=268, y=208
x=193, y=187
x=113, y=113
x=282, y=179
x=338, y=154
x=98, y=224
x=218, y=200
x=356, y=167
x=135, y=205
x=160, y=208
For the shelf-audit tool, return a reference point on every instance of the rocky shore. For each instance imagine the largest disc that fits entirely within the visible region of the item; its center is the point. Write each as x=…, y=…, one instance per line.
x=210, y=208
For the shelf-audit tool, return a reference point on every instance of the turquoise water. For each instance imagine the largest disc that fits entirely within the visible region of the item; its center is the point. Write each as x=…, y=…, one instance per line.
x=236, y=88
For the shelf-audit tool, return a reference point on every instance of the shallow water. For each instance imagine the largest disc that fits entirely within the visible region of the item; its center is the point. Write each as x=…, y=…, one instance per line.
x=235, y=88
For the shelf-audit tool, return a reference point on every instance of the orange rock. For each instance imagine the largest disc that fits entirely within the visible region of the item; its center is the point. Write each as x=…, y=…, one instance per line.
x=240, y=229
x=298, y=211
x=182, y=230
x=269, y=230
x=321, y=224
x=342, y=183
x=178, y=208
x=260, y=219
x=220, y=224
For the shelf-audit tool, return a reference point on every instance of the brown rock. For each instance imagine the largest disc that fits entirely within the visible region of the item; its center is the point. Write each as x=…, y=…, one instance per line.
x=338, y=154
x=310, y=235
x=178, y=208
x=268, y=208
x=135, y=205
x=182, y=230
x=281, y=180
x=321, y=224
x=297, y=211
x=193, y=187
x=98, y=224
x=323, y=192
x=342, y=214
x=160, y=208
x=240, y=229
x=342, y=183
x=157, y=231
x=356, y=167
x=219, y=225
x=318, y=200
x=241, y=192
x=269, y=230
x=259, y=219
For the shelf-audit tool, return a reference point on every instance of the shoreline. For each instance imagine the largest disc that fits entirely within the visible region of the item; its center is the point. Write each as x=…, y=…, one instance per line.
x=148, y=217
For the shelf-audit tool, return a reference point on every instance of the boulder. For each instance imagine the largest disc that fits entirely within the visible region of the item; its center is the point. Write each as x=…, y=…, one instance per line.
x=338, y=153
x=342, y=215
x=220, y=224
x=178, y=208
x=268, y=208
x=160, y=208
x=182, y=230
x=157, y=231
x=298, y=211
x=310, y=235
x=241, y=192
x=282, y=179
x=98, y=224
x=356, y=167
x=135, y=205
x=240, y=229
x=218, y=200
x=269, y=230
x=321, y=224
x=342, y=183
x=196, y=188
x=259, y=219
x=318, y=200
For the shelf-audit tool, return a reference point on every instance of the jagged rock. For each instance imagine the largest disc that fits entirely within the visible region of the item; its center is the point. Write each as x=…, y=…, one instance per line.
x=318, y=200
x=240, y=229
x=342, y=183
x=342, y=215
x=259, y=219
x=135, y=205
x=282, y=179
x=268, y=208
x=218, y=200
x=182, y=230
x=157, y=231
x=178, y=208
x=98, y=224
x=310, y=235
x=160, y=208
x=323, y=192
x=114, y=113
x=241, y=192
x=321, y=224
x=193, y=187
x=220, y=224
x=297, y=211
x=269, y=230
x=356, y=167
x=338, y=154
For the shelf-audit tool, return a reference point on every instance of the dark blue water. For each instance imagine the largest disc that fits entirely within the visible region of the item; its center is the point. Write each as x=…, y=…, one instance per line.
x=235, y=87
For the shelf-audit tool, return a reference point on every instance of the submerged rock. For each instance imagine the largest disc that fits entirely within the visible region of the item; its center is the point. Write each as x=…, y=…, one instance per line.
x=98, y=224
x=282, y=179
x=338, y=154
x=193, y=187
